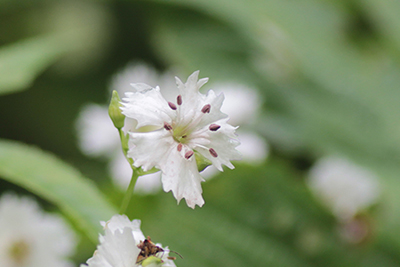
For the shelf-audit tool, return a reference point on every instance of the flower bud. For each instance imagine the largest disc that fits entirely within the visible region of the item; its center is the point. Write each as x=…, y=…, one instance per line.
x=152, y=261
x=114, y=111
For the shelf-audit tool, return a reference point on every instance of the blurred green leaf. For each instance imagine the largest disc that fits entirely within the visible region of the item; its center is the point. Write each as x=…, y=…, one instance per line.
x=196, y=42
x=22, y=62
x=52, y=179
x=255, y=216
x=385, y=14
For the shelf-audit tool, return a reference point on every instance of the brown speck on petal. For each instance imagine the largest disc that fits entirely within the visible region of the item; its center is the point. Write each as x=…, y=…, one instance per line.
x=179, y=147
x=179, y=100
x=214, y=127
x=189, y=154
x=206, y=108
x=167, y=126
x=213, y=153
x=172, y=105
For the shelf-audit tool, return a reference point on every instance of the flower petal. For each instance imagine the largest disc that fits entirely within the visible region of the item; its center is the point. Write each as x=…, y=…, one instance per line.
x=149, y=149
x=193, y=101
x=224, y=142
x=119, y=222
x=147, y=107
x=182, y=178
x=158, y=149
x=118, y=249
x=215, y=111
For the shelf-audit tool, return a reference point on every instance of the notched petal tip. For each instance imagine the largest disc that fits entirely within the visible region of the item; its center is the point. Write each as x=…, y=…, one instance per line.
x=178, y=81
x=192, y=203
x=194, y=75
x=192, y=79
x=202, y=82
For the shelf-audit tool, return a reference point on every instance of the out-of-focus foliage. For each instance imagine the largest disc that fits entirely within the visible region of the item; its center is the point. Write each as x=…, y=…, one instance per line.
x=52, y=179
x=329, y=75
x=20, y=63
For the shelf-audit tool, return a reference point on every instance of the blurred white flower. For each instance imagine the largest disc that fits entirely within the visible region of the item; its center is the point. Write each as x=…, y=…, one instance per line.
x=30, y=237
x=142, y=73
x=98, y=137
x=194, y=124
x=120, y=245
x=343, y=186
x=242, y=103
x=146, y=184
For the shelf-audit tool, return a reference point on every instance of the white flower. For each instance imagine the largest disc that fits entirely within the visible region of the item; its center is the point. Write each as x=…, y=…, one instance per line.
x=31, y=238
x=194, y=124
x=97, y=135
x=344, y=187
x=119, y=245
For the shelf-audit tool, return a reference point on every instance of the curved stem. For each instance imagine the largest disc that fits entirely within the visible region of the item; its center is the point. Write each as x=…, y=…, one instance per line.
x=128, y=194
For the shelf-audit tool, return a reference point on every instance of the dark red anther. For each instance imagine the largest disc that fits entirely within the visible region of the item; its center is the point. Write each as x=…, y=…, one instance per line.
x=167, y=126
x=206, y=108
x=214, y=127
x=213, y=153
x=179, y=100
x=172, y=105
x=189, y=154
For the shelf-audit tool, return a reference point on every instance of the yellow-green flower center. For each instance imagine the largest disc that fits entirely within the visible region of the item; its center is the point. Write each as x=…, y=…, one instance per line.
x=19, y=251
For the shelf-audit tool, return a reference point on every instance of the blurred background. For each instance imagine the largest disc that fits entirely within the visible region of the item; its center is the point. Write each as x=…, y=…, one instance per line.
x=327, y=78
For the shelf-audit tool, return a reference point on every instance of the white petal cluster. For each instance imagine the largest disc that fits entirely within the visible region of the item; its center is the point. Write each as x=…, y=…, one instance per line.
x=343, y=186
x=97, y=137
x=119, y=245
x=30, y=237
x=194, y=124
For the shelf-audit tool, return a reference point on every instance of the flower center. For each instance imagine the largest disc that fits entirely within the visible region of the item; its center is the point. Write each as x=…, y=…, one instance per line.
x=181, y=132
x=19, y=251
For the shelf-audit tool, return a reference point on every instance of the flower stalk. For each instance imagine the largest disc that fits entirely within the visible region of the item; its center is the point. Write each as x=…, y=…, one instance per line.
x=129, y=192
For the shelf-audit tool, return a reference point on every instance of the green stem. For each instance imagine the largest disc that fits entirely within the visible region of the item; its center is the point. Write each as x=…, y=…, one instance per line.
x=129, y=192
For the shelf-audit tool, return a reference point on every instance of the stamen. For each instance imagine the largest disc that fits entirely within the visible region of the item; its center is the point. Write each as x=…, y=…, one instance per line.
x=179, y=147
x=206, y=109
x=213, y=153
x=214, y=127
x=189, y=154
x=172, y=105
x=179, y=100
x=167, y=126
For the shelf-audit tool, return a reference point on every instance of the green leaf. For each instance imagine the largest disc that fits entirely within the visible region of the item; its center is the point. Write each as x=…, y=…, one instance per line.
x=23, y=61
x=52, y=179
